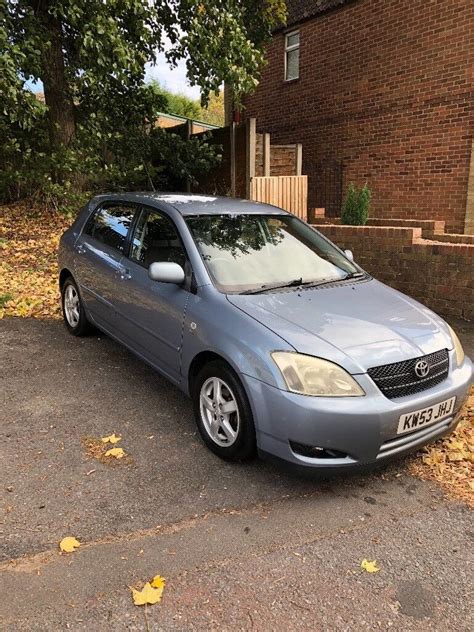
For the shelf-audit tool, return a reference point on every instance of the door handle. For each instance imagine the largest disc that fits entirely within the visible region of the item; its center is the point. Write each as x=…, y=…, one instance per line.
x=123, y=273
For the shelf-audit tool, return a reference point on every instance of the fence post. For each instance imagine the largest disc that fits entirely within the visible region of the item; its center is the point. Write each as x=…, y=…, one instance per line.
x=299, y=159
x=251, y=127
x=266, y=155
x=189, y=132
x=233, y=189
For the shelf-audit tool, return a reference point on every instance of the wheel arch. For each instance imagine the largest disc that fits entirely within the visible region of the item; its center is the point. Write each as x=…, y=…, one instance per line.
x=199, y=361
x=63, y=275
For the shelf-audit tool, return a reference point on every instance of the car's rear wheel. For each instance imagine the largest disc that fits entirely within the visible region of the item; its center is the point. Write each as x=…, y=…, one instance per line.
x=74, y=315
x=223, y=414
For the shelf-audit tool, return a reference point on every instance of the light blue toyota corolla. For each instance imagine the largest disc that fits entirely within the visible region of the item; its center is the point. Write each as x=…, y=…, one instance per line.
x=284, y=344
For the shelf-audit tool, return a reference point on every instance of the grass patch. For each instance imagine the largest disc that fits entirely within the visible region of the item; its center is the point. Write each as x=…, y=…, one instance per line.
x=4, y=298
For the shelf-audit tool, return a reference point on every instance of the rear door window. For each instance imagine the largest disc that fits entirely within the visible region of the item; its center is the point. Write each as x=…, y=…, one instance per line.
x=110, y=225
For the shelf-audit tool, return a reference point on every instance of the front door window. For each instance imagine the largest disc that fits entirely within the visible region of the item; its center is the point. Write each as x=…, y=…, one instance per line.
x=156, y=239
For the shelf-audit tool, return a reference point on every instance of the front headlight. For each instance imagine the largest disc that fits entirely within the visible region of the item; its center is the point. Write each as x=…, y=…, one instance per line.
x=457, y=347
x=313, y=376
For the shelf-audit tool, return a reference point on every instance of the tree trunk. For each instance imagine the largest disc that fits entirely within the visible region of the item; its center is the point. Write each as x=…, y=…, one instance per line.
x=61, y=115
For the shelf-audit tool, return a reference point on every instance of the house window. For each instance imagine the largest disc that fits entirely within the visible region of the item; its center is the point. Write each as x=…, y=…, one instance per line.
x=292, y=55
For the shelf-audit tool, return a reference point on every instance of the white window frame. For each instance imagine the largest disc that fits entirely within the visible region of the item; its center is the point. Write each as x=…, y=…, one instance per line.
x=289, y=49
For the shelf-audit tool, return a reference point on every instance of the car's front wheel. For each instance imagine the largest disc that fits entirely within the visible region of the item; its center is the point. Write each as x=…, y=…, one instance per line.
x=74, y=315
x=223, y=412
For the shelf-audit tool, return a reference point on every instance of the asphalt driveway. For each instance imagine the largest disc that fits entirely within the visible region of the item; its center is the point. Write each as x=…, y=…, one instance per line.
x=241, y=546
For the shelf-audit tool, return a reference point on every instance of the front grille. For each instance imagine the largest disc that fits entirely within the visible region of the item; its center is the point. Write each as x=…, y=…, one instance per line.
x=400, y=379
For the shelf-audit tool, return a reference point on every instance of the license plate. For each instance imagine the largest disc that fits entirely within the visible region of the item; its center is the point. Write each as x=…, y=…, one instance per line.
x=425, y=416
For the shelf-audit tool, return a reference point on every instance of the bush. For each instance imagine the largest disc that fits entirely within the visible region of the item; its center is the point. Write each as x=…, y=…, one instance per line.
x=355, y=210
x=114, y=149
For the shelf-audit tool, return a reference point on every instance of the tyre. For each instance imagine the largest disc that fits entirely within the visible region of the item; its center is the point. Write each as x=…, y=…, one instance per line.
x=223, y=414
x=74, y=315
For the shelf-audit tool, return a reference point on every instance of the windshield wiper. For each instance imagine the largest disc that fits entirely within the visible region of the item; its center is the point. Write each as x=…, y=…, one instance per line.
x=279, y=286
x=349, y=275
x=353, y=275
x=299, y=283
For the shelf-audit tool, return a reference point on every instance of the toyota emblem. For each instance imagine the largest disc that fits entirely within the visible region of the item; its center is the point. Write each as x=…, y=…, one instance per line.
x=422, y=368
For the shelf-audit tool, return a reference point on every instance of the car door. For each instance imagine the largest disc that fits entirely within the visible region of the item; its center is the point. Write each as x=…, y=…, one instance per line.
x=97, y=257
x=150, y=314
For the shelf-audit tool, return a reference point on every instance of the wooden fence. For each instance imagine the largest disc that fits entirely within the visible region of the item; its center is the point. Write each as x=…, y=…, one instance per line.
x=287, y=192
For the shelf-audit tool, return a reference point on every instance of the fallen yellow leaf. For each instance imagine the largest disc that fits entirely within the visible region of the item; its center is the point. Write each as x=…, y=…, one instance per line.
x=370, y=567
x=113, y=438
x=69, y=544
x=148, y=594
x=158, y=582
x=455, y=456
x=455, y=445
x=118, y=453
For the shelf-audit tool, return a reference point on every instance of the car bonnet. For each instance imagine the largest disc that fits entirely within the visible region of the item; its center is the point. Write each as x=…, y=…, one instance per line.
x=358, y=325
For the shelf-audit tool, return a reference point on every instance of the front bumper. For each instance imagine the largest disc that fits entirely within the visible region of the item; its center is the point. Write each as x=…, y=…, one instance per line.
x=361, y=430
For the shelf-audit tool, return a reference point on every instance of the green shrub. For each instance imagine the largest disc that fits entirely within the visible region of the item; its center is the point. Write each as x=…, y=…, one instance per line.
x=112, y=151
x=355, y=210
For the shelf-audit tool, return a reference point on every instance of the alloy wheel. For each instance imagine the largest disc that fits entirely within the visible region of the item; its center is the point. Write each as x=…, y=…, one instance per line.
x=219, y=412
x=72, y=306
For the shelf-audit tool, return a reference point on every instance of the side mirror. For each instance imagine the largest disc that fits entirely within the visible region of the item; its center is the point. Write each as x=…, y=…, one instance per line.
x=349, y=254
x=166, y=272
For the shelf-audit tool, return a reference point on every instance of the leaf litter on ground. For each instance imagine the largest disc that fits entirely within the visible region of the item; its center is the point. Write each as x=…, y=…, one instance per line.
x=28, y=263
x=450, y=461
x=96, y=449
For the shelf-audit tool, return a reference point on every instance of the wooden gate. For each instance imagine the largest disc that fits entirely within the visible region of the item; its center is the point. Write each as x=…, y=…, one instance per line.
x=287, y=192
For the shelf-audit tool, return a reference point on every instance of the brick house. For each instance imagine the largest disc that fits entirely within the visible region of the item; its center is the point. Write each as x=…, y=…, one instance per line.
x=378, y=91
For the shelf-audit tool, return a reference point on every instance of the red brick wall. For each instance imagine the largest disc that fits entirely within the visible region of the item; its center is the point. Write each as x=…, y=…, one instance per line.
x=386, y=89
x=436, y=274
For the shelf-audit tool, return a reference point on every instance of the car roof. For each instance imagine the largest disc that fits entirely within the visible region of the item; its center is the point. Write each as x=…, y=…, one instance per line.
x=195, y=204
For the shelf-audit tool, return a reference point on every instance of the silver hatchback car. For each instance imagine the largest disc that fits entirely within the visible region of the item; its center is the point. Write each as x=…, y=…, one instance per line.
x=284, y=344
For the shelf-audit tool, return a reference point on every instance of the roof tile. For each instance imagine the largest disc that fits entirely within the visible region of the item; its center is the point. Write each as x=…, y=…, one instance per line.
x=299, y=10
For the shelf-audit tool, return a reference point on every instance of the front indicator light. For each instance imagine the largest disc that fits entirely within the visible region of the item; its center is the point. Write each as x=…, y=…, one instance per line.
x=308, y=375
x=457, y=347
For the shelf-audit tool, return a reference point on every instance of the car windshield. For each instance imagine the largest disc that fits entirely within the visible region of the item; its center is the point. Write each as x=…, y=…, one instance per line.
x=245, y=253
